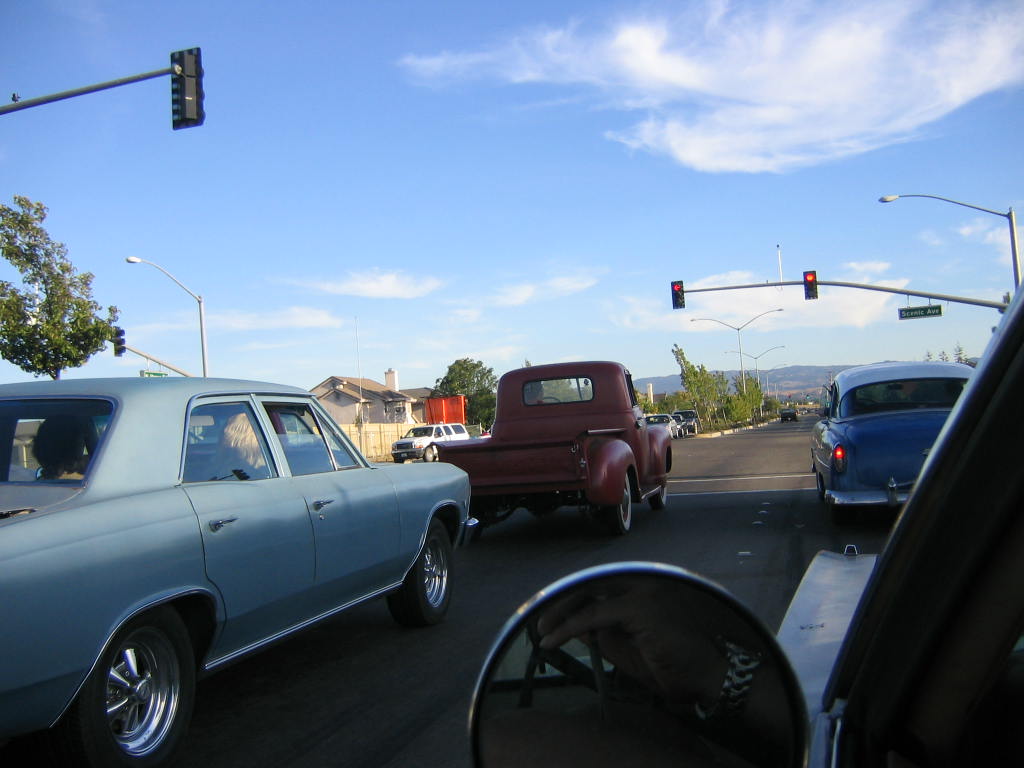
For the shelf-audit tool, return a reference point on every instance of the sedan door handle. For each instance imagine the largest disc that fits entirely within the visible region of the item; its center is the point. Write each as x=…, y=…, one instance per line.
x=321, y=503
x=216, y=525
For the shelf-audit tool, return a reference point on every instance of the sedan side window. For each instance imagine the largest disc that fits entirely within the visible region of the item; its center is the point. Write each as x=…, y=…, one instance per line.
x=300, y=436
x=224, y=443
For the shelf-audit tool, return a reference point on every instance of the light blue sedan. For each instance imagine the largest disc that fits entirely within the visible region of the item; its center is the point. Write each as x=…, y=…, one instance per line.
x=880, y=423
x=153, y=530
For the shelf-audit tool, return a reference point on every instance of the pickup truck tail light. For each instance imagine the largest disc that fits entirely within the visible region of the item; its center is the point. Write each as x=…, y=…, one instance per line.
x=839, y=458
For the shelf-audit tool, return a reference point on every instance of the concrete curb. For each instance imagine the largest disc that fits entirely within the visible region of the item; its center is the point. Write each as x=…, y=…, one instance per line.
x=721, y=432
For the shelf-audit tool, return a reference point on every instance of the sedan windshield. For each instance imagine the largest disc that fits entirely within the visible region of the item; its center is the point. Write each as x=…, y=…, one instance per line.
x=51, y=441
x=901, y=395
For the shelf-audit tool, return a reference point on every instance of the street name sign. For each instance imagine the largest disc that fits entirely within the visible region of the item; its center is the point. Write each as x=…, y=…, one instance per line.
x=932, y=310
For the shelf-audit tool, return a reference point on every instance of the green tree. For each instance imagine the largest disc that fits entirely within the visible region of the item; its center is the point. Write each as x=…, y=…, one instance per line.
x=474, y=380
x=51, y=322
x=709, y=391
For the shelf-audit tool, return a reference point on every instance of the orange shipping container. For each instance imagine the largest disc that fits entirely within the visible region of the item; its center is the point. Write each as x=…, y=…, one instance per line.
x=446, y=410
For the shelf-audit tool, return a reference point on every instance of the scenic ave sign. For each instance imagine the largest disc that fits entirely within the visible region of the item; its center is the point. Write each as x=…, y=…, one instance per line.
x=932, y=310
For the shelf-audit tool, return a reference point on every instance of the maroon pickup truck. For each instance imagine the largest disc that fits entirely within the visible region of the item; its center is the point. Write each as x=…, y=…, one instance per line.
x=568, y=433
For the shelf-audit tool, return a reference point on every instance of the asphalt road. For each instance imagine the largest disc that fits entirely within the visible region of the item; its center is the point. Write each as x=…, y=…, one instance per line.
x=361, y=692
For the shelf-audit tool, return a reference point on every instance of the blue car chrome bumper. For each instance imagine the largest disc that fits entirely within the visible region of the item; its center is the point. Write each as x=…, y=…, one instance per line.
x=893, y=495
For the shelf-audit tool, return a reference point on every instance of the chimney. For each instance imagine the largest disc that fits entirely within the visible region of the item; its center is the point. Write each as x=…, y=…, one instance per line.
x=391, y=379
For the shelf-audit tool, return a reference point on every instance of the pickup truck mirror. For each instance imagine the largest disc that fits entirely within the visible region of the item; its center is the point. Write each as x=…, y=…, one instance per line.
x=636, y=664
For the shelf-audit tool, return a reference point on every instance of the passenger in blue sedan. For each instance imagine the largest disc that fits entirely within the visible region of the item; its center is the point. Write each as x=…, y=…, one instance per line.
x=59, y=447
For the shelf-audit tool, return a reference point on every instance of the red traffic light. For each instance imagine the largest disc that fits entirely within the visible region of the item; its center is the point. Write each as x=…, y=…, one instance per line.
x=678, y=295
x=810, y=284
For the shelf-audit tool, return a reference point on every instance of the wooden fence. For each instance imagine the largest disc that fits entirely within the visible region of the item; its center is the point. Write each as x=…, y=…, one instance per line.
x=374, y=440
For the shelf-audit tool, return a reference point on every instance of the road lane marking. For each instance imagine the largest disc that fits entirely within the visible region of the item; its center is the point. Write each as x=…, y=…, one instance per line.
x=738, y=477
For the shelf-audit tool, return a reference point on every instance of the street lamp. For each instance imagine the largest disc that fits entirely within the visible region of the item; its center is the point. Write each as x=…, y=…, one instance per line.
x=755, y=358
x=197, y=297
x=739, y=340
x=1009, y=216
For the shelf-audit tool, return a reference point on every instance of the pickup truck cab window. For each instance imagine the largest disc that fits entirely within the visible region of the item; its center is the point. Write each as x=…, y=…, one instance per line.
x=564, y=390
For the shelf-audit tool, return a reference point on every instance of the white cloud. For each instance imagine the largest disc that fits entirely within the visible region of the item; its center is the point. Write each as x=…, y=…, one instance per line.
x=928, y=237
x=377, y=284
x=990, y=233
x=514, y=295
x=289, y=318
x=467, y=315
x=522, y=293
x=868, y=267
x=753, y=87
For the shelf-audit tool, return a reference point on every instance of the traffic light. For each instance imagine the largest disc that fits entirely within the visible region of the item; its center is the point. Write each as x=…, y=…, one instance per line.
x=678, y=299
x=810, y=284
x=187, y=89
x=119, y=347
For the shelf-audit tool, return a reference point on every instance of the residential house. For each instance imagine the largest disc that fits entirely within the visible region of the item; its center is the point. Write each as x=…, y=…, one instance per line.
x=380, y=403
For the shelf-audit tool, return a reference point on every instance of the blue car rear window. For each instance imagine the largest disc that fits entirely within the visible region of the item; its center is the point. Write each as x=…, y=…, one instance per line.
x=901, y=395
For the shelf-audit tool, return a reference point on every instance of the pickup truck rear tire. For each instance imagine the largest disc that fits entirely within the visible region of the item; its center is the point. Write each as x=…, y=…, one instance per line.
x=659, y=499
x=620, y=517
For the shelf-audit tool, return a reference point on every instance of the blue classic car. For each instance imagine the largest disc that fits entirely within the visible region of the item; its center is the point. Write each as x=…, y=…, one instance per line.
x=155, y=529
x=880, y=423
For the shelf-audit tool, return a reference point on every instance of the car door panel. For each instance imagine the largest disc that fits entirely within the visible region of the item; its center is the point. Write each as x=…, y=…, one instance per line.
x=256, y=533
x=352, y=507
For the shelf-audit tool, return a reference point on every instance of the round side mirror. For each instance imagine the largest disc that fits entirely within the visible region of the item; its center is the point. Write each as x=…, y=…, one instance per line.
x=637, y=664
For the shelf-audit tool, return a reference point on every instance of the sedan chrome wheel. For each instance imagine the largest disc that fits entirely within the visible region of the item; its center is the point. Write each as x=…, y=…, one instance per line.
x=435, y=572
x=426, y=591
x=134, y=707
x=143, y=691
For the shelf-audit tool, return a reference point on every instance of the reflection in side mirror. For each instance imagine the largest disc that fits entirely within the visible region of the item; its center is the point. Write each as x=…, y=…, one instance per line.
x=636, y=664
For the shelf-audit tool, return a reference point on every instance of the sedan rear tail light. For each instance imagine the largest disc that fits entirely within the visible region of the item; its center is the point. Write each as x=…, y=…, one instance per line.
x=839, y=458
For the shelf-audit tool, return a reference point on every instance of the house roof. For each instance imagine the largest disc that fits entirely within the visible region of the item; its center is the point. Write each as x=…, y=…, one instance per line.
x=417, y=393
x=354, y=387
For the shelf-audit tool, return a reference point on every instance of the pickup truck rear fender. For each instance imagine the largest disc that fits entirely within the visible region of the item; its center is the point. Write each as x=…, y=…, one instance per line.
x=659, y=456
x=609, y=461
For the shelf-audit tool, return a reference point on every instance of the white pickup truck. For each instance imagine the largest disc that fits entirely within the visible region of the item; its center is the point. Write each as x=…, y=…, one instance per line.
x=418, y=442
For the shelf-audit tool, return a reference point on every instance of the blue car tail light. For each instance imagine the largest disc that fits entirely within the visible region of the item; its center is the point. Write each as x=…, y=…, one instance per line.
x=839, y=458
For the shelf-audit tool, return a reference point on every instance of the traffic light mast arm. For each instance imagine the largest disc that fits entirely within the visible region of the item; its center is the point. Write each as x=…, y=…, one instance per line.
x=158, y=361
x=867, y=287
x=26, y=103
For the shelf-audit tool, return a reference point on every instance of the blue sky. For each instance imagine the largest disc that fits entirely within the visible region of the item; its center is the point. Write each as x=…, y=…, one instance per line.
x=401, y=184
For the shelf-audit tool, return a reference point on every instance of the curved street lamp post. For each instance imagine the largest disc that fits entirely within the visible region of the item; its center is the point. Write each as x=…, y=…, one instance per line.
x=1009, y=216
x=739, y=340
x=197, y=297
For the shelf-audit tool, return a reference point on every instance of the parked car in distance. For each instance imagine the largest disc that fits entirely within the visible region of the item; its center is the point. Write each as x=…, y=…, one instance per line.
x=419, y=442
x=787, y=414
x=666, y=421
x=690, y=421
x=878, y=427
x=152, y=530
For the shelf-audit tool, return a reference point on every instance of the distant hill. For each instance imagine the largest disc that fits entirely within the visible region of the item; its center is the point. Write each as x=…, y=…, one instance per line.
x=790, y=379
